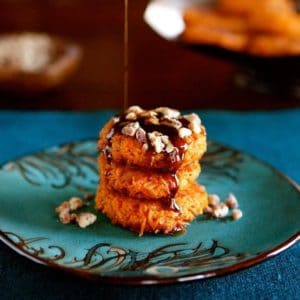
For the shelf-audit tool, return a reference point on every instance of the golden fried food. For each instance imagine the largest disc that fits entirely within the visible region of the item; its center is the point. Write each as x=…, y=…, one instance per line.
x=270, y=23
x=261, y=28
x=274, y=46
x=216, y=37
x=151, y=216
x=128, y=149
x=147, y=183
x=248, y=7
x=211, y=28
x=213, y=19
x=149, y=162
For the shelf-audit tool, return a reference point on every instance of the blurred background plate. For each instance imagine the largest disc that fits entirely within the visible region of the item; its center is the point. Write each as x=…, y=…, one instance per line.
x=278, y=75
x=33, y=62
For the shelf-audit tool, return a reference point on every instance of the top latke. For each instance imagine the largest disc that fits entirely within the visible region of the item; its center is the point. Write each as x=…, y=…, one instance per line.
x=160, y=138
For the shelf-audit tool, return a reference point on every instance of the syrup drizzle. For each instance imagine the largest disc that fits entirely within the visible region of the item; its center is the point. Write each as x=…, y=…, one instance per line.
x=125, y=90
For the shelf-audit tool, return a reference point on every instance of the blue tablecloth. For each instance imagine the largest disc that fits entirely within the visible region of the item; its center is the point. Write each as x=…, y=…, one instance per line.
x=271, y=136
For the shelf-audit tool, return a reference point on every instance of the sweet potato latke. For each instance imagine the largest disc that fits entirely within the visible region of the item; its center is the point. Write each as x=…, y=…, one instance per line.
x=149, y=161
x=128, y=149
x=262, y=28
x=151, y=215
x=142, y=183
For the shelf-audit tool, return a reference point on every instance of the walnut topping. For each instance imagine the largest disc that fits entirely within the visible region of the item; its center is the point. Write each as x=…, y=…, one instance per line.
x=140, y=135
x=130, y=129
x=148, y=114
x=168, y=112
x=195, y=122
x=160, y=142
x=231, y=201
x=220, y=211
x=64, y=206
x=156, y=141
x=75, y=203
x=171, y=123
x=184, y=132
x=145, y=147
x=208, y=210
x=131, y=116
x=85, y=219
x=135, y=109
x=213, y=200
x=152, y=120
x=65, y=217
x=236, y=214
x=137, y=122
x=169, y=147
x=116, y=119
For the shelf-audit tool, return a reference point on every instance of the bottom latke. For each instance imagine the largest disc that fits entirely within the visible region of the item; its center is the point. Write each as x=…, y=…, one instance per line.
x=151, y=216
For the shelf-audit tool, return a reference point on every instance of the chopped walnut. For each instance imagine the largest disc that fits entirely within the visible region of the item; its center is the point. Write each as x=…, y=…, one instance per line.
x=184, y=132
x=165, y=139
x=145, y=147
x=160, y=142
x=75, y=203
x=208, y=210
x=171, y=123
x=64, y=206
x=131, y=116
x=135, y=109
x=116, y=119
x=169, y=147
x=155, y=140
x=231, y=201
x=152, y=121
x=85, y=219
x=158, y=145
x=136, y=118
x=213, y=200
x=140, y=135
x=220, y=211
x=237, y=214
x=168, y=112
x=65, y=217
x=148, y=114
x=131, y=128
x=195, y=122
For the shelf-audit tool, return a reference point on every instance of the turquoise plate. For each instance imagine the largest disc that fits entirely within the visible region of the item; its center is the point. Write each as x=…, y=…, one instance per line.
x=32, y=186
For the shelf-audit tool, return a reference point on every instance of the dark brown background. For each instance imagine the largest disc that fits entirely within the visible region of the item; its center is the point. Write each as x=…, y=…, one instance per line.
x=161, y=73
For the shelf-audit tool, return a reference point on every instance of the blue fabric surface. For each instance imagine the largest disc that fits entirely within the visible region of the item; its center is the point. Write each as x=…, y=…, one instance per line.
x=270, y=136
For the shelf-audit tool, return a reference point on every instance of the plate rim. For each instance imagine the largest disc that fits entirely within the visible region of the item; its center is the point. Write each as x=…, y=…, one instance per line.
x=152, y=279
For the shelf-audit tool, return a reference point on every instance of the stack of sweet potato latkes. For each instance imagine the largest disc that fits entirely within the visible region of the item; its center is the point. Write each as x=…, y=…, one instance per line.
x=149, y=161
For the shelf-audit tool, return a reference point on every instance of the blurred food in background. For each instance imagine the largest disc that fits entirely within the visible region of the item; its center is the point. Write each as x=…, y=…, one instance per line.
x=31, y=61
x=262, y=28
